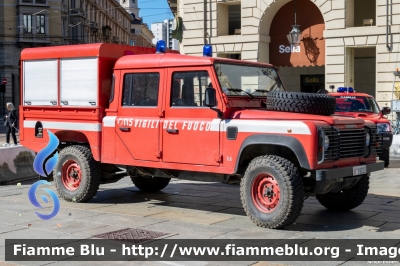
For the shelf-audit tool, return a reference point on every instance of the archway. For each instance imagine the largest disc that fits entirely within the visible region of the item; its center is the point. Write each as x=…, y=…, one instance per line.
x=311, y=51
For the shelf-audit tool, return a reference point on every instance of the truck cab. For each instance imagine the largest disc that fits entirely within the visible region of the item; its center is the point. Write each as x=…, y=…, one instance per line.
x=154, y=115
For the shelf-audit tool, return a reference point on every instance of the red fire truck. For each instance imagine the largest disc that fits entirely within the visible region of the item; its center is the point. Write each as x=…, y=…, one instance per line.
x=352, y=103
x=120, y=110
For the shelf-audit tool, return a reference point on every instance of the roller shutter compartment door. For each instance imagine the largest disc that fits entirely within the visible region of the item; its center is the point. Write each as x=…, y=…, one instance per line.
x=79, y=82
x=40, y=82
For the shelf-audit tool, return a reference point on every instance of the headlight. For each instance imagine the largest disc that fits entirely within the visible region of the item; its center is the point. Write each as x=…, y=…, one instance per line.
x=367, y=139
x=326, y=142
x=383, y=127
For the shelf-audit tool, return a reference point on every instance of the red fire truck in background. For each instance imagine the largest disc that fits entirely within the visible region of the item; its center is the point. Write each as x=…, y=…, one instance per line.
x=356, y=104
x=120, y=110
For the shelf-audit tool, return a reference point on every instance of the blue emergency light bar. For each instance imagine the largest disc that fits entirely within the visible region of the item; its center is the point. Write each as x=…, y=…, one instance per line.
x=207, y=50
x=345, y=89
x=161, y=47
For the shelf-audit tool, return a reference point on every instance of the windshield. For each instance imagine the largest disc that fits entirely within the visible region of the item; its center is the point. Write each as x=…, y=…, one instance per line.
x=239, y=79
x=356, y=104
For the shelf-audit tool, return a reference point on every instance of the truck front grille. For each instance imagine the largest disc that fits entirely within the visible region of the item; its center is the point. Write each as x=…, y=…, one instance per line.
x=350, y=143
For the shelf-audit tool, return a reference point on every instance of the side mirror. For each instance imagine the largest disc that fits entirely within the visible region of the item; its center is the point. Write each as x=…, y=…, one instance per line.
x=386, y=110
x=210, y=97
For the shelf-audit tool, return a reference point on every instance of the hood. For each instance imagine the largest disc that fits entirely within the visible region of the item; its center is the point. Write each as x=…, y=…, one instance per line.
x=376, y=118
x=264, y=114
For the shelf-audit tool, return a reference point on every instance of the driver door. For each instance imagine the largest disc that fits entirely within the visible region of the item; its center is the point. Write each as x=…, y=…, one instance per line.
x=190, y=130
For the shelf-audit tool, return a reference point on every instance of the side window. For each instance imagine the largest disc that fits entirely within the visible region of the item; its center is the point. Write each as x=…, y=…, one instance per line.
x=141, y=89
x=188, y=88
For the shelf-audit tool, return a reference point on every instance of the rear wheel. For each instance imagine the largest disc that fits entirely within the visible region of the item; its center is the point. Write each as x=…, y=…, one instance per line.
x=77, y=175
x=385, y=156
x=150, y=184
x=272, y=192
x=346, y=199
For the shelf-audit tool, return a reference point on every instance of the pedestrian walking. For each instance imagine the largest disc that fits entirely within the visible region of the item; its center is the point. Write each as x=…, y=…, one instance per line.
x=10, y=121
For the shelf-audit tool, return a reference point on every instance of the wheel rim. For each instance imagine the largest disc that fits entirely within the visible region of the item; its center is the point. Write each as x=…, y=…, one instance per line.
x=265, y=192
x=71, y=175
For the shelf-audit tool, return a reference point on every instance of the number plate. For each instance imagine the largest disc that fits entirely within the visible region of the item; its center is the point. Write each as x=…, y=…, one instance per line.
x=359, y=170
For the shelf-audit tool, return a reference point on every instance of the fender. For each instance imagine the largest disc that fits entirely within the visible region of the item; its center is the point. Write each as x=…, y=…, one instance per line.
x=286, y=141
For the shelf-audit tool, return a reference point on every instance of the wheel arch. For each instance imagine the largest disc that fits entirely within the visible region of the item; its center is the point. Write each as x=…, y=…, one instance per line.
x=262, y=144
x=71, y=137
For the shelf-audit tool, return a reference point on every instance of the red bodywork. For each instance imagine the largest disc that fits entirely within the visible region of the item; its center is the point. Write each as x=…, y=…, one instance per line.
x=192, y=139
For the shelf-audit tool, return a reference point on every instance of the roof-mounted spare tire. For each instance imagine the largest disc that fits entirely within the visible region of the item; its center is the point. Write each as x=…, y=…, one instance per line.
x=300, y=102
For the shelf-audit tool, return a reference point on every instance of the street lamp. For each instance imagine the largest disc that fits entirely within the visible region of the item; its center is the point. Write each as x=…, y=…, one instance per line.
x=294, y=36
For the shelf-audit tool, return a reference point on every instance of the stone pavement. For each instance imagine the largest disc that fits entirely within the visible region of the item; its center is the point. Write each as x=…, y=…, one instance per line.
x=197, y=210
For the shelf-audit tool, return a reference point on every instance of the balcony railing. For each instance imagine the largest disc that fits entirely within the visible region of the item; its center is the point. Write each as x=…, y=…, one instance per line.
x=35, y=38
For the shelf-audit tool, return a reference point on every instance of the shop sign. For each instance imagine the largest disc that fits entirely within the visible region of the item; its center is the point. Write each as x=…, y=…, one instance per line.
x=289, y=49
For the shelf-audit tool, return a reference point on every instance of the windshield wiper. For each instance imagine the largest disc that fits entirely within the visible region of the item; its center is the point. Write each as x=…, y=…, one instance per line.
x=367, y=111
x=240, y=90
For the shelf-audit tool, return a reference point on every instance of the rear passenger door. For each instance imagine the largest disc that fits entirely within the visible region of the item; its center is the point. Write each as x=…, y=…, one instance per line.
x=138, y=120
x=190, y=130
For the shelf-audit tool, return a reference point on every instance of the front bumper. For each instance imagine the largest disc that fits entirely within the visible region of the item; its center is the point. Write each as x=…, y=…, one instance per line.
x=336, y=179
x=387, y=138
x=327, y=174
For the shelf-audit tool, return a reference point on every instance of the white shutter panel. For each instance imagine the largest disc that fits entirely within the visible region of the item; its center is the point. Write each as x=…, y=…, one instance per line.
x=40, y=82
x=79, y=82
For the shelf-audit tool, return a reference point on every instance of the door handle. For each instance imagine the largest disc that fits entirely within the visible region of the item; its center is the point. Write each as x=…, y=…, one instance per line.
x=125, y=129
x=173, y=131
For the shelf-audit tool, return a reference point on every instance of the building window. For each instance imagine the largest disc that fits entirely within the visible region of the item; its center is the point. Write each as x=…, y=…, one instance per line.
x=40, y=24
x=229, y=19
x=28, y=23
x=230, y=56
x=363, y=13
x=132, y=43
x=141, y=89
x=74, y=33
x=133, y=31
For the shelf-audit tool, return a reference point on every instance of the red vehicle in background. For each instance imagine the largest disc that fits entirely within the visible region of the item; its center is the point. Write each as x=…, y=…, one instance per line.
x=352, y=103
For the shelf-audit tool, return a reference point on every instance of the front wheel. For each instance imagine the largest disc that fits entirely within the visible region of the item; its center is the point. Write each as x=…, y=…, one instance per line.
x=385, y=156
x=77, y=175
x=272, y=192
x=346, y=199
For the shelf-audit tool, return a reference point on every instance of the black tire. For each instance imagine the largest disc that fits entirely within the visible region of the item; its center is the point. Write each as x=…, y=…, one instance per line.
x=150, y=184
x=346, y=199
x=385, y=156
x=85, y=183
x=290, y=197
x=300, y=102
